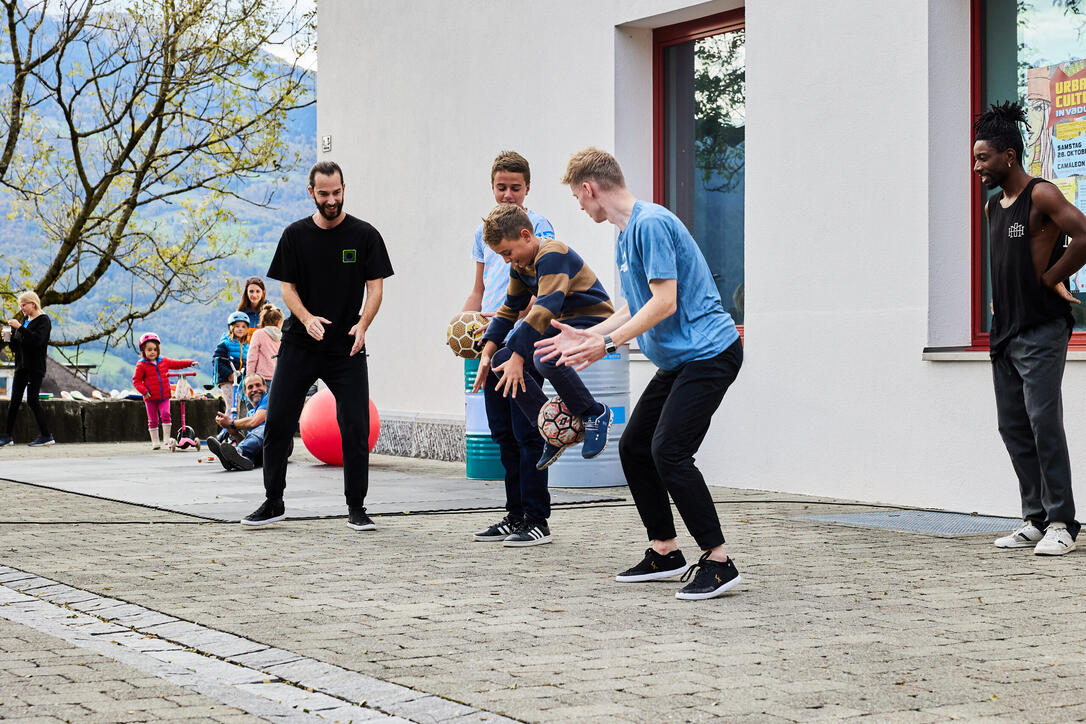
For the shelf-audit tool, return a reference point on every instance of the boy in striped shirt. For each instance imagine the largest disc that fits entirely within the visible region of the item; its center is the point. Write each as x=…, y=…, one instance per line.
x=566, y=290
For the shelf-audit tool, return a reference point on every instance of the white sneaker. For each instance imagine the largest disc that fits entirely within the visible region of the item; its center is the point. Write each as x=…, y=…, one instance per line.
x=1056, y=542
x=1024, y=537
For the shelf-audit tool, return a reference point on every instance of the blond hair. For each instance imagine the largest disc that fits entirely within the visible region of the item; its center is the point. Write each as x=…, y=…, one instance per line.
x=592, y=164
x=29, y=296
x=505, y=221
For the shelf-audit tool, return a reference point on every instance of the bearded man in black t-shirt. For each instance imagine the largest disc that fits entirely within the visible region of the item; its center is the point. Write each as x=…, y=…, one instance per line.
x=331, y=265
x=1031, y=325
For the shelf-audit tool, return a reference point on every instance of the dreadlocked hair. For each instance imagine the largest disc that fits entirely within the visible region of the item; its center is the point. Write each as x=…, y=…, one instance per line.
x=1001, y=126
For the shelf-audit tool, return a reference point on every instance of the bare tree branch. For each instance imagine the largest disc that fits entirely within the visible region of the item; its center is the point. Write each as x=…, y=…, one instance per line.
x=157, y=107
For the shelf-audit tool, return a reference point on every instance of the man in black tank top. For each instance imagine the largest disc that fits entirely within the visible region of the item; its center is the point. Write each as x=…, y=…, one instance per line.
x=1031, y=325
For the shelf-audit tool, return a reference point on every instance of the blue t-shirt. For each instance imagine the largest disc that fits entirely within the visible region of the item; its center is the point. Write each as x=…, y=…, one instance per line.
x=656, y=245
x=258, y=431
x=496, y=269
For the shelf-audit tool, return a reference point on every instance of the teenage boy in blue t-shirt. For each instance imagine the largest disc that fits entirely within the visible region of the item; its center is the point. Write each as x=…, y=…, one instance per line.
x=520, y=444
x=675, y=312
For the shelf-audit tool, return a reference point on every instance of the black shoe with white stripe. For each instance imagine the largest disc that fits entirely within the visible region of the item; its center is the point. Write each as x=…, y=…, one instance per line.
x=711, y=579
x=270, y=511
x=500, y=530
x=358, y=520
x=530, y=533
x=655, y=567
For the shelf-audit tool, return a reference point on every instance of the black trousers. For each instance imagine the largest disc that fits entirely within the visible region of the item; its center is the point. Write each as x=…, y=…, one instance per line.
x=658, y=445
x=29, y=382
x=347, y=378
x=1028, y=377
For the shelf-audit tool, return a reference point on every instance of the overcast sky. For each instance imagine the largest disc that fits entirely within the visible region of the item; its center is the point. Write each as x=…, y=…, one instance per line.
x=300, y=7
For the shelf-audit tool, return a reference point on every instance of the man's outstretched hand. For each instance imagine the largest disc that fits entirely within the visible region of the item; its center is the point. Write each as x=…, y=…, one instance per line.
x=577, y=348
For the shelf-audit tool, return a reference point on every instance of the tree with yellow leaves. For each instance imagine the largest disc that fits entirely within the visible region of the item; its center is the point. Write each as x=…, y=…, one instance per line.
x=133, y=138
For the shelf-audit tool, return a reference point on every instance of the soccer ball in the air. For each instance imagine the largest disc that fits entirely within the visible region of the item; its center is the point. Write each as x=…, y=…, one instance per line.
x=558, y=425
x=462, y=332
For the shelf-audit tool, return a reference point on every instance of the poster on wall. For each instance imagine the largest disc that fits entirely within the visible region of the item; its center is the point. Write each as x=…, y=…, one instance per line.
x=1056, y=147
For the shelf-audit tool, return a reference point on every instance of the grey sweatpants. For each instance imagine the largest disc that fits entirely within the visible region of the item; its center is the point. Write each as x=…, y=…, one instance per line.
x=1028, y=377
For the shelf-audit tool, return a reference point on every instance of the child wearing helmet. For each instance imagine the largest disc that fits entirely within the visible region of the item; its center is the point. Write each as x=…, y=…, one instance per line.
x=231, y=353
x=152, y=380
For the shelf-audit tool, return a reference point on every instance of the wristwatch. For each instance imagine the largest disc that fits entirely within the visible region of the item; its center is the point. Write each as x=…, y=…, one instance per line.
x=609, y=345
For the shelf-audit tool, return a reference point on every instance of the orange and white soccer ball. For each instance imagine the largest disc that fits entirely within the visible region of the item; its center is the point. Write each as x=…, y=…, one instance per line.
x=558, y=425
x=462, y=333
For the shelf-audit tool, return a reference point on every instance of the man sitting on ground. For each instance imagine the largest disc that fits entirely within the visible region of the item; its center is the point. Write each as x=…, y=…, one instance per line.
x=247, y=449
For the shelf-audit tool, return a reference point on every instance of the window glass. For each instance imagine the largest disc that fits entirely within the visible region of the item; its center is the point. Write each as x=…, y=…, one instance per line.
x=704, y=119
x=1034, y=51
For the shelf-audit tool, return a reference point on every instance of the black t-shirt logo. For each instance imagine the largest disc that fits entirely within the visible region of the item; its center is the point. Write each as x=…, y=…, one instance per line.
x=350, y=256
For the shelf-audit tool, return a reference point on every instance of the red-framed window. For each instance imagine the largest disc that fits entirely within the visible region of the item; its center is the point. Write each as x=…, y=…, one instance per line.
x=1018, y=46
x=699, y=120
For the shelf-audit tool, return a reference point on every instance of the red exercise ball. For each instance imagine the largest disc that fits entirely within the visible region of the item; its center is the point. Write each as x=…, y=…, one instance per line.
x=320, y=430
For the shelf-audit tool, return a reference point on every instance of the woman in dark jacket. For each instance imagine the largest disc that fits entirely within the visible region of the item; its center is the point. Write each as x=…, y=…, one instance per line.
x=29, y=340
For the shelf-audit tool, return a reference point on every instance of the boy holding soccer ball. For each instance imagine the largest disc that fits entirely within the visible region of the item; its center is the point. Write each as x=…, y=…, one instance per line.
x=526, y=494
x=566, y=290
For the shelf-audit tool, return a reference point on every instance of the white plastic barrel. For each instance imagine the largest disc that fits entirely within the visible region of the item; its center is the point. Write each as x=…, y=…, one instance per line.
x=609, y=382
x=481, y=454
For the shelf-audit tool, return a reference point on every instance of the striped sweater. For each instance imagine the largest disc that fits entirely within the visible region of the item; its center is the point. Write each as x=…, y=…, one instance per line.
x=564, y=287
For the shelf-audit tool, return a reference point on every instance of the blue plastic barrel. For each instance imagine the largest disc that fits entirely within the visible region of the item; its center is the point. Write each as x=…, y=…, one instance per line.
x=609, y=382
x=482, y=454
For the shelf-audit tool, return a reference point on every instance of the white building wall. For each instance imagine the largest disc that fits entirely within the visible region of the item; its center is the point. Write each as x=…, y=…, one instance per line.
x=857, y=215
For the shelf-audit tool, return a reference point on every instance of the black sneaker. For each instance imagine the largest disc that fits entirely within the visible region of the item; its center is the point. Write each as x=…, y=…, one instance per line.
x=357, y=519
x=6, y=440
x=655, y=567
x=500, y=530
x=229, y=454
x=270, y=511
x=215, y=447
x=712, y=579
x=550, y=456
x=41, y=440
x=530, y=533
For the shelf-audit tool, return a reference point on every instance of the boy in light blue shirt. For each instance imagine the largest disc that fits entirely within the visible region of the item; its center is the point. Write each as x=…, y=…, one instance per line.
x=520, y=445
x=674, y=311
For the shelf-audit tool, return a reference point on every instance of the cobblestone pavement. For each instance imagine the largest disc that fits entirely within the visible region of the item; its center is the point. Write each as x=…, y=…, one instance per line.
x=44, y=678
x=830, y=621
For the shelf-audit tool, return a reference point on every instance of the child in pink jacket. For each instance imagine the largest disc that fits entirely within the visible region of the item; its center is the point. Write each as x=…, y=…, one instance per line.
x=152, y=380
x=264, y=346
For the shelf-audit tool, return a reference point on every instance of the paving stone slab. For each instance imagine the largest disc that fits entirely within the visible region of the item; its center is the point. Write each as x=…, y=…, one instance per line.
x=207, y=491
x=935, y=522
x=308, y=688
x=265, y=658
